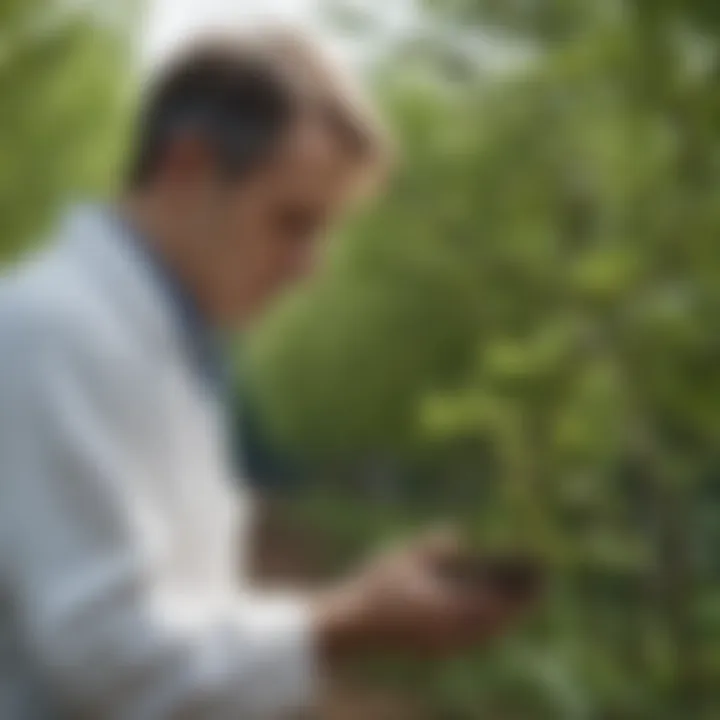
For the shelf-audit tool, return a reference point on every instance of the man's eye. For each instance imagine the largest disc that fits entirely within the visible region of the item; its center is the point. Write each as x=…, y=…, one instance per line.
x=298, y=222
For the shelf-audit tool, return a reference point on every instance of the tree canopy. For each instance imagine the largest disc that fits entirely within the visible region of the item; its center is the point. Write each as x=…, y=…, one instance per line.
x=528, y=320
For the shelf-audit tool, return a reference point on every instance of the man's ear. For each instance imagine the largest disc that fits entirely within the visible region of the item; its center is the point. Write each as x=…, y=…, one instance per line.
x=187, y=159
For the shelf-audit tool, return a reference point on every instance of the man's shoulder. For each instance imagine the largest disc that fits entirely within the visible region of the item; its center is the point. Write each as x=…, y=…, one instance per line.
x=40, y=299
x=48, y=310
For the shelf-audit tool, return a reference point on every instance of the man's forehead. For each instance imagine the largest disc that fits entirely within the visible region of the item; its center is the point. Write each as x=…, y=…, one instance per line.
x=311, y=155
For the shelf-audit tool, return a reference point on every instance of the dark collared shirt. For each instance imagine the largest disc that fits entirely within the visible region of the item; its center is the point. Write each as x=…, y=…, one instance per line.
x=208, y=351
x=206, y=346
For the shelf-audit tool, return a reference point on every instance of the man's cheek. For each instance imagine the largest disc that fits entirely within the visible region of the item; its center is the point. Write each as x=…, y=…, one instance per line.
x=304, y=263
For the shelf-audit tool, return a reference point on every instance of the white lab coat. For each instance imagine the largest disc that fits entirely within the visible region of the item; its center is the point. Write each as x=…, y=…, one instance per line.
x=120, y=597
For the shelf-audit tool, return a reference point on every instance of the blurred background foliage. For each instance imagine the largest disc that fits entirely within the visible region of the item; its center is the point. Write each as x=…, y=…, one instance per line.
x=64, y=82
x=519, y=336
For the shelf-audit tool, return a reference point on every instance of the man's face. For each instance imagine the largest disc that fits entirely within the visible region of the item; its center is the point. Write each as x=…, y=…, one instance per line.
x=270, y=227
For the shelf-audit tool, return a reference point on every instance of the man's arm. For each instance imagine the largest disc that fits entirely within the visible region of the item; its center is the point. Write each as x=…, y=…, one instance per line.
x=83, y=553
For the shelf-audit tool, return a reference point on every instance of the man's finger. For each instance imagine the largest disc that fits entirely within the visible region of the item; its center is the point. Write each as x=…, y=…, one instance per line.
x=444, y=542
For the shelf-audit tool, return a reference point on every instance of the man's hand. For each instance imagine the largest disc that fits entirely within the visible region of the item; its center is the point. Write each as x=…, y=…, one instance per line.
x=404, y=603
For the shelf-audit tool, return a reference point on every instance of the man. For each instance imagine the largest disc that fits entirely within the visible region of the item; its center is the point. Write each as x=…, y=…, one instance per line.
x=119, y=518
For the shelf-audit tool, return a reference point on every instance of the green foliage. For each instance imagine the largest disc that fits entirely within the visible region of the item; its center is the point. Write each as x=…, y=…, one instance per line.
x=528, y=321
x=63, y=85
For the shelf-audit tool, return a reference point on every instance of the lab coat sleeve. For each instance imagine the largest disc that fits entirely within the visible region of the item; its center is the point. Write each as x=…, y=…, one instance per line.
x=82, y=550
